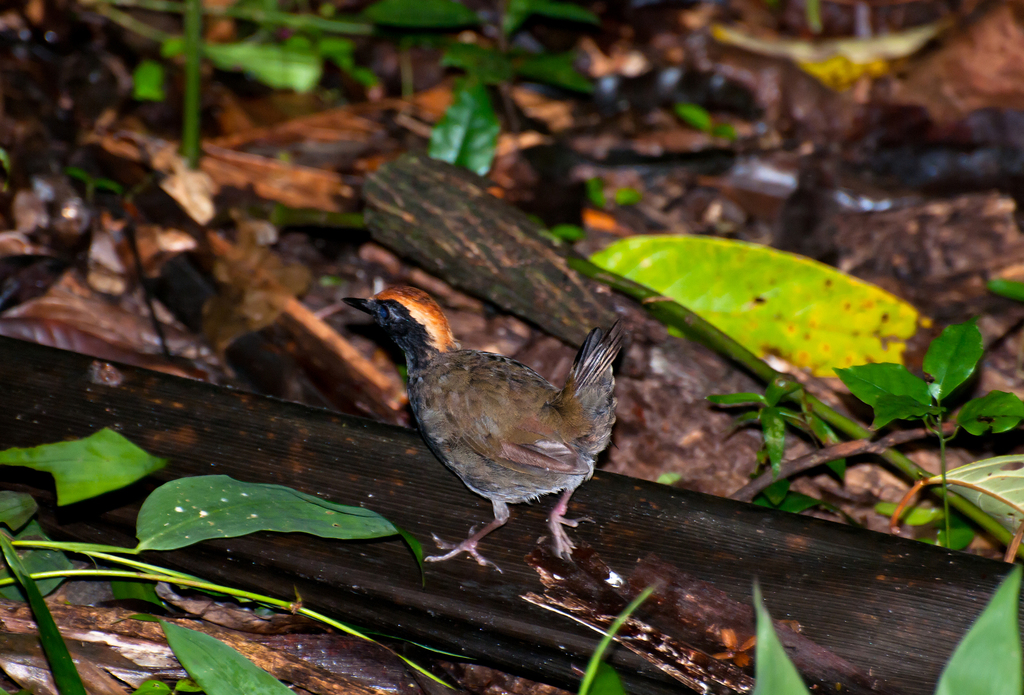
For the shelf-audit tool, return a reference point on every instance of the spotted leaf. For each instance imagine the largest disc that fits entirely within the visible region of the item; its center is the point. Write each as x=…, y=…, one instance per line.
x=772, y=302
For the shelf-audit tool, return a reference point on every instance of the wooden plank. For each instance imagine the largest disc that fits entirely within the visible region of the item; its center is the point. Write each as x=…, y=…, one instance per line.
x=890, y=605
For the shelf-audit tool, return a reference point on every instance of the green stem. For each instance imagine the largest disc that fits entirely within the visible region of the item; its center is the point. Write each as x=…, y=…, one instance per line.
x=695, y=328
x=83, y=548
x=251, y=14
x=184, y=580
x=105, y=553
x=942, y=467
x=125, y=20
x=191, y=108
x=595, y=659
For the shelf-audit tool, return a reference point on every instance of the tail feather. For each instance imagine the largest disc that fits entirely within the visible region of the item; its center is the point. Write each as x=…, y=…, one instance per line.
x=595, y=358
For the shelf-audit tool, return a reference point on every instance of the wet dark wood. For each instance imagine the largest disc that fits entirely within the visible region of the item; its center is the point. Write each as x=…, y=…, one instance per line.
x=443, y=218
x=886, y=604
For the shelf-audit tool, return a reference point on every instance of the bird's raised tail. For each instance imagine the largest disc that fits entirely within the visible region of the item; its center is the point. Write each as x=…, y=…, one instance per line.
x=590, y=379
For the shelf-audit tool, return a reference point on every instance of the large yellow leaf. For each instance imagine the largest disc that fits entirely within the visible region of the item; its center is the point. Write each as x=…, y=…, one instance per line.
x=772, y=302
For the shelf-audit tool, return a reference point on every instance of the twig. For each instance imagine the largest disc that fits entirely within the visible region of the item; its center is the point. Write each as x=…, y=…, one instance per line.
x=1011, y=550
x=833, y=453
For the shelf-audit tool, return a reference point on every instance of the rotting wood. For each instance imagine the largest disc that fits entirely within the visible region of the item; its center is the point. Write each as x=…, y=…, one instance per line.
x=888, y=604
x=136, y=650
x=444, y=219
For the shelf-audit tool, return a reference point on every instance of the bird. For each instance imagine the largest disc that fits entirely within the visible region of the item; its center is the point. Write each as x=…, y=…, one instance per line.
x=509, y=434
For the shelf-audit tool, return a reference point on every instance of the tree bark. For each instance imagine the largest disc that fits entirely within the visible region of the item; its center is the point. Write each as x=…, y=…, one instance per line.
x=444, y=219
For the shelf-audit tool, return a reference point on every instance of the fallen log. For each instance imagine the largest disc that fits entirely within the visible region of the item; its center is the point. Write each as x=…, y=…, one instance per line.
x=888, y=605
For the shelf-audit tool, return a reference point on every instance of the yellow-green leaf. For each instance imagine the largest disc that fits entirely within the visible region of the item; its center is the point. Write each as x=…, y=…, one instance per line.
x=772, y=302
x=996, y=485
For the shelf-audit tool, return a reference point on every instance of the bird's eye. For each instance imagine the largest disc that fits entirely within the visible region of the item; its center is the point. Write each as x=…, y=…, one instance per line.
x=384, y=313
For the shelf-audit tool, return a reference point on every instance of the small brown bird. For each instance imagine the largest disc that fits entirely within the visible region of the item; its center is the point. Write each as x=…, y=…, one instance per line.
x=501, y=427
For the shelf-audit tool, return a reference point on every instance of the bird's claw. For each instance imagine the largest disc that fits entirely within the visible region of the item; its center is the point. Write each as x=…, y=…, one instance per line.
x=467, y=546
x=563, y=545
x=573, y=523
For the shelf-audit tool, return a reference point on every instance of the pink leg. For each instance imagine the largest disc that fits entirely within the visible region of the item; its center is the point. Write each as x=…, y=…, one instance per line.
x=469, y=545
x=563, y=546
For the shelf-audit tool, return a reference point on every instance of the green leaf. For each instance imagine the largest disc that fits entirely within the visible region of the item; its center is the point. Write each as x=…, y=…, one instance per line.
x=595, y=192
x=485, y=65
x=109, y=185
x=341, y=52
x=780, y=388
x=36, y=561
x=775, y=493
x=568, y=232
x=421, y=14
x=669, y=478
x=1007, y=288
x=772, y=302
x=694, y=116
x=773, y=425
x=467, y=135
x=79, y=174
x=821, y=430
x=746, y=418
x=553, y=68
x=776, y=674
x=627, y=196
x=88, y=467
x=794, y=419
x=148, y=81
x=795, y=503
x=997, y=411
x=16, y=508
x=724, y=130
x=5, y=161
x=869, y=382
x=189, y=510
x=996, y=485
x=290, y=65
x=827, y=436
x=737, y=399
x=153, y=688
x=812, y=12
x=961, y=533
x=988, y=658
x=518, y=11
x=889, y=408
x=838, y=467
x=138, y=590
x=917, y=516
x=952, y=357
x=216, y=667
x=607, y=681
x=65, y=676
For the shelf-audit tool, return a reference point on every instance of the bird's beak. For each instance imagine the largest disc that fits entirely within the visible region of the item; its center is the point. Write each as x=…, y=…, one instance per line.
x=361, y=304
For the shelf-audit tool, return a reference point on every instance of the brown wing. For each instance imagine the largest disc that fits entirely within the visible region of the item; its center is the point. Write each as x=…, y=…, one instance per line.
x=502, y=417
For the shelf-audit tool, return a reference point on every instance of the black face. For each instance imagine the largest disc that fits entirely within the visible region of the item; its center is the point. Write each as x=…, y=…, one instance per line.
x=389, y=314
x=358, y=303
x=394, y=318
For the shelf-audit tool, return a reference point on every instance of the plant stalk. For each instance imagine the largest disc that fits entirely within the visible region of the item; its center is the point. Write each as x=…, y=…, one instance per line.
x=247, y=13
x=695, y=328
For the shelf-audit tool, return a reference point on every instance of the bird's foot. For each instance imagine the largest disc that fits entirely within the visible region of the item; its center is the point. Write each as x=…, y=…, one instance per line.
x=573, y=523
x=467, y=546
x=562, y=544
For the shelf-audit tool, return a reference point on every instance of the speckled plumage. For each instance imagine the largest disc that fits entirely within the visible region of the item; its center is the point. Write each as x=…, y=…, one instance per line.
x=502, y=428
